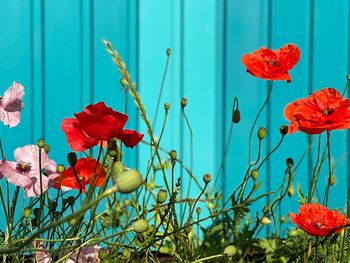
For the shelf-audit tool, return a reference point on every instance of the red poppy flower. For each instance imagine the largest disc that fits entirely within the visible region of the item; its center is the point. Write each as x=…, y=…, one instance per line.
x=97, y=123
x=323, y=110
x=84, y=169
x=272, y=64
x=317, y=220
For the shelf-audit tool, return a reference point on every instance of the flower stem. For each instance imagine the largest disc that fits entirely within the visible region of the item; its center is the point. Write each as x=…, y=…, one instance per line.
x=325, y=200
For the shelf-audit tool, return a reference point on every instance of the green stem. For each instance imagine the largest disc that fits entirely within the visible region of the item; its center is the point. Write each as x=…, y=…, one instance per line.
x=325, y=200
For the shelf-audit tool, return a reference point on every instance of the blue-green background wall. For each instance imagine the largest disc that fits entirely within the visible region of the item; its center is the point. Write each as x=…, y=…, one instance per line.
x=54, y=48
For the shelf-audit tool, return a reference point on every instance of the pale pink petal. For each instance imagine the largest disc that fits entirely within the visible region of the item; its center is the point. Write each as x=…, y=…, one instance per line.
x=87, y=255
x=10, y=119
x=12, y=99
x=35, y=189
x=8, y=169
x=42, y=256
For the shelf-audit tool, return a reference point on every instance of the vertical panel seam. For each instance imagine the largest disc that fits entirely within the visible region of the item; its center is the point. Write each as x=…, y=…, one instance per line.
x=91, y=51
x=43, y=86
x=31, y=44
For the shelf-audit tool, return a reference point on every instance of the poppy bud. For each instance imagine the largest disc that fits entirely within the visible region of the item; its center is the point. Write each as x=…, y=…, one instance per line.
x=183, y=102
x=72, y=158
x=283, y=219
x=40, y=143
x=198, y=210
x=106, y=221
x=141, y=226
x=290, y=163
x=283, y=130
x=128, y=181
x=283, y=260
x=26, y=212
x=236, y=116
x=230, y=251
x=112, y=153
x=207, y=178
x=103, y=253
x=290, y=190
x=294, y=233
x=210, y=205
x=173, y=155
x=60, y=168
x=265, y=221
x=348, y=76
x=152, y=185
x=162, y=196
x=261, y=133
x=168, y=52
x=72, y=222
x=166, y=106
x=52, y=206
x=126, y=202
x=254, y=174
x=71, y=200
x=46, y=148
x=126, y=252
x=123, y=82
x=331, y=179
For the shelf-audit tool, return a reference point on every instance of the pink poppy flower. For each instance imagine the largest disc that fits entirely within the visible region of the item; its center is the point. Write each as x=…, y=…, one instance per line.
x=87, y=254
x=25, y=171
x=11, y=104
x=41, y=255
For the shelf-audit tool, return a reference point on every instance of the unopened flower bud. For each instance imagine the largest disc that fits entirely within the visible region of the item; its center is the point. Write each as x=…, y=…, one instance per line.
x=72, y=222
x=60, y=168
x=283, y=219
x=123, y=82
x=140, y=226
x=173, y=155
x=162, y=196
x=236, y=116
x=207, y=178
x=40, y=143
x=106, y=221
x=126, y=252
x=230, y=251
x=290, y=190
x=126, y=202
x=283, y=130
x=254, y=174
x=112, y=153
x=72, y=158
x=166, y=106
x=168, y=52
x=26, y=212
x=261, y=133
x=198, y=210
x=265, y=221
x=103, y=253
x=348, y=76
x=46, y=148
x=210, y=205
x=128, y=181
x=52, y=206
x=71, y=200
x=290, y=163
x=183, y=102
x=36, y=212
x=331, y=179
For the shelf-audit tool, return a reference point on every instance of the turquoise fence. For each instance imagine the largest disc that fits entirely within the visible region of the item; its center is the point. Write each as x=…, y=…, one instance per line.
x=54, y=48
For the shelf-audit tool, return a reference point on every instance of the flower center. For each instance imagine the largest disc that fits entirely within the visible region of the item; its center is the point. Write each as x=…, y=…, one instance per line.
x=23, y=167
x=81, y=178
x=328, y=111
x=318, y=224
x=273, y=62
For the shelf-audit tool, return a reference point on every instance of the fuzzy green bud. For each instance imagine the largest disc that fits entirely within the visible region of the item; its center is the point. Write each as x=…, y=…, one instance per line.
x=103, y=253
x=52, y=206
x=261, y=133
x=290, y=163
x=166, y=106
x=106, y=221
x=128, y=181
x=46, y=148
x=290, y=190
x=112, y=153
x=72, y=222
x=60, y=168
x=26, y=212
x=254, y=174
x=72, y=158
x=168, y=52
x=37, y=212
x=162, y=196
x=183, y=102
x=236, y=116
x=40, y=143
x=207, y=178
x=283, y=130
x=283, y=219
x=230, y=251
x=126, y=202
x=140, y=226
x=123, y=82
x=265, y=221
x=198, y=210
x=348, y=76
x=331, y=179
x=173, y=155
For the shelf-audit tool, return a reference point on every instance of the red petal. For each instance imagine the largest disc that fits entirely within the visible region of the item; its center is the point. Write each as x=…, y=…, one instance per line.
x=130, y=138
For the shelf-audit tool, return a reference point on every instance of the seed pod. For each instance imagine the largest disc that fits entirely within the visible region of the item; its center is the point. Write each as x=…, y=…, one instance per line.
x=331, y=179
x=290, y=190
x=40, y=143
x=72, y=222
x=198, y=210
x=72, y=158
x=207, y=178
x=261, y=133
x=183, y=102
x=236, y=116
x=230, y=251
x=46, y=148
x=283, y=130
x=168, y=52
x=128, y=181
x=162, y=196
x=166, y=106
x=26, y=212
x=141, y=226
x=60, y=168
x=173, y=155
